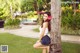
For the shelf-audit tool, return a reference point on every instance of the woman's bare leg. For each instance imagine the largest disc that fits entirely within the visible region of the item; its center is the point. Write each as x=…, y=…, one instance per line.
x=44, y=50
x=39, y=45
x=48, y=49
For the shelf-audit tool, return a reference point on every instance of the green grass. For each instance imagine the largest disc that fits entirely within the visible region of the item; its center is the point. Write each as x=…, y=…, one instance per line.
x=70, y=48
x=19, y=44
x=36, y=29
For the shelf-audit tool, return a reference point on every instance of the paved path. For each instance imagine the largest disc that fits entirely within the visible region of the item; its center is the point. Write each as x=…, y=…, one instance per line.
x=26, y=31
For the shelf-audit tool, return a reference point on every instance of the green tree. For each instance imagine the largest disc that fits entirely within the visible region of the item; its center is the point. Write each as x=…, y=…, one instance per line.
x=27, y=5
x=10, y=6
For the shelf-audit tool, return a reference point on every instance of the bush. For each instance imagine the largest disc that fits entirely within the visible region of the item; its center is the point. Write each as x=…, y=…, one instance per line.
x=2, y=14
x=75, y=22
x=66, y=17
x=70, y=22
x=12, y=23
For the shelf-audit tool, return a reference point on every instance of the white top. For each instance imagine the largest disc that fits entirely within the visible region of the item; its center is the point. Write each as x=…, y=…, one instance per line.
x=46, y=31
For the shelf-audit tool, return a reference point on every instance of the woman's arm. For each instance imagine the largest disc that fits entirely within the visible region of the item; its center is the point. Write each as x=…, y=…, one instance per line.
x=45, y=25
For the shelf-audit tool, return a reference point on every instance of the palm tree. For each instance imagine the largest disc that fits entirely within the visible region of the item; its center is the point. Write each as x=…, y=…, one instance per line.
x=10, y=6
x=55, y=46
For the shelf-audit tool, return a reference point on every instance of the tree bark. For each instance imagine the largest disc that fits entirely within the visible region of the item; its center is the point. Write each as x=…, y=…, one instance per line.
x=11, y=11
x=35, y=5
x=74, y=7
x=55, y=33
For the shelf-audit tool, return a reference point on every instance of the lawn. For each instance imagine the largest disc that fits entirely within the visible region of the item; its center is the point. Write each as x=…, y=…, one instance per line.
x=19, y=44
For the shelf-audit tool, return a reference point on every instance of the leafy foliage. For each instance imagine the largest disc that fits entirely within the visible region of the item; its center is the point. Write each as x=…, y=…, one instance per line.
x=12, y=23
x=9, y=7
x=27, y=5
x=1, y=14
x=70, y=20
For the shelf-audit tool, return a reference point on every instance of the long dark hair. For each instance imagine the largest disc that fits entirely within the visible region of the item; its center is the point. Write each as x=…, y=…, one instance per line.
x=48, y=20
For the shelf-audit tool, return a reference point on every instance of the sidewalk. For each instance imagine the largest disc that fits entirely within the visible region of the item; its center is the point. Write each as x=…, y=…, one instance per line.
x=26, y=31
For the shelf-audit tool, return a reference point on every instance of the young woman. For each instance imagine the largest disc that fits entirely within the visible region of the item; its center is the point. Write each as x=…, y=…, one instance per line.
x=44, y=30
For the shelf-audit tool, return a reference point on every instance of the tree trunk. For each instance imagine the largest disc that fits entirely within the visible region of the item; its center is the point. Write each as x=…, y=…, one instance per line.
x=35, y=5
x=55, y=35
x=74, y=7
x=39, y=19
x=11, y=11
